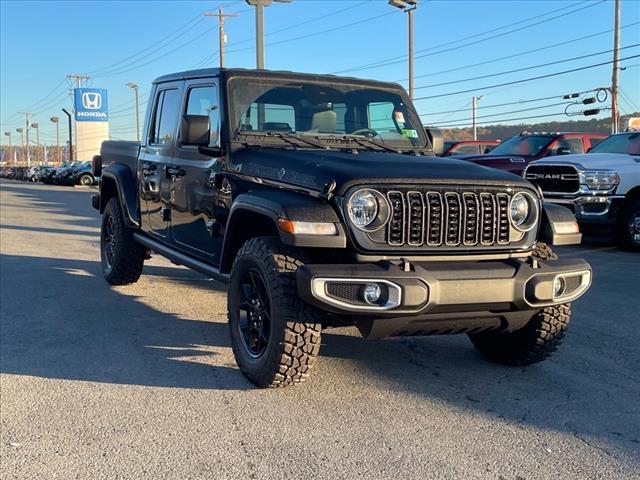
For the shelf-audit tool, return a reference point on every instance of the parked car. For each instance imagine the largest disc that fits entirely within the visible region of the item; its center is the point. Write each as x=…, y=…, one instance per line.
x=469, y=147
x=318, y=200
x=78, y=173
x=602, y=187
x=516, y=152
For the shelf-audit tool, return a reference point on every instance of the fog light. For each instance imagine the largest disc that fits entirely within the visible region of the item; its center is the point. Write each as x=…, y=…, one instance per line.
x=558, y=286
x=372, y=293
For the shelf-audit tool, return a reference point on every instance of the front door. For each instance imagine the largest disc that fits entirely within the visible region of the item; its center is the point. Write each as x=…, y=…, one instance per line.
x=197, y=210
x=156, y=156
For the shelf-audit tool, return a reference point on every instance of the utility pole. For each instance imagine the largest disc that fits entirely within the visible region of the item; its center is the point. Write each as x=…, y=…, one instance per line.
x=474, y=106
x=26, y=122
x=222, y=37
x=135, y=91
x=70, y=135
x=35, y=126
x=616, y=69
x=408, y=6
x=78, y=78
x=56, y=120
x=21, y=132
x=8, y=134
x=260, y=4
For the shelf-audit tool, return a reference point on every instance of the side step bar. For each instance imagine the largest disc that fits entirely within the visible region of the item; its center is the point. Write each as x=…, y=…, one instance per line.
x=181, y=258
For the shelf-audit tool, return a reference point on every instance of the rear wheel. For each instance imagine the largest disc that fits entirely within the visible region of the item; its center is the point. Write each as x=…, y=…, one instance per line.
x=122, y=258
x=274, y=335
x=629, y=226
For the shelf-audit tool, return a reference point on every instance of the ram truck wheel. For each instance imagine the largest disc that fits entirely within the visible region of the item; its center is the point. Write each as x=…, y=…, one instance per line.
x=122, y=258
x=275, y=336
x=628, y=228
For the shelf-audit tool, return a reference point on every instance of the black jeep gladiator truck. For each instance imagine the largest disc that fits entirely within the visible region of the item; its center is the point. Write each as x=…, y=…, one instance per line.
x=318, y=199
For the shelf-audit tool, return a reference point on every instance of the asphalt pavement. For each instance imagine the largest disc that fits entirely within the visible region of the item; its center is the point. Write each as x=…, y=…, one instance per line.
x=100, y=382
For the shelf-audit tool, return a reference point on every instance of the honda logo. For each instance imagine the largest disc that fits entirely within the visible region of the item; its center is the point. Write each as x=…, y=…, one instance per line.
x=92, y=100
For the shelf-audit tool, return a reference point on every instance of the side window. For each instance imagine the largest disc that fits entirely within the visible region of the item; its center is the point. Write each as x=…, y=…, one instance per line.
x=204, y=101
x=575, y=145
x=594, y=141
x=156, y=118
x=166, y=117
x=467, y=149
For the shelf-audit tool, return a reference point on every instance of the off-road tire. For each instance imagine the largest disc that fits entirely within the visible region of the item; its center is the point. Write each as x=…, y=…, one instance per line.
x=86, y=180
x=533, y=343
x=294, y=339
x=127, y=261
x=623, y=233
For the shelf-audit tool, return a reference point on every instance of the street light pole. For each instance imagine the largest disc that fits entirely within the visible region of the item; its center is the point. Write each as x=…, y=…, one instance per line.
x=21, y=132
x=474, y=106
x=56, y=120
x=70, y=135
x=135, y=89
x=260, y=4
x=408, y=6
x=8, y=134
x=35, y=126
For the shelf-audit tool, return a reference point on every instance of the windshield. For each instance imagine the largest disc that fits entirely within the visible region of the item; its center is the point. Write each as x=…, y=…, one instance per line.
x=622, y=143
x=526, y=145
x=324, y=110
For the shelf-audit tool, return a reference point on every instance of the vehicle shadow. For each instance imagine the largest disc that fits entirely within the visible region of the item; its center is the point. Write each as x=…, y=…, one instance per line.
x=66, y=327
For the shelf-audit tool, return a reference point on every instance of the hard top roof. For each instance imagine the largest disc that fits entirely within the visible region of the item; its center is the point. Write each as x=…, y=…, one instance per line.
x=245, y=72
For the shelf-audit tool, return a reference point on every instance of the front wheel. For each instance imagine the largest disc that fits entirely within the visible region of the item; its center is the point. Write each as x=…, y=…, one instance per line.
x=275, y=336
x=533, y=343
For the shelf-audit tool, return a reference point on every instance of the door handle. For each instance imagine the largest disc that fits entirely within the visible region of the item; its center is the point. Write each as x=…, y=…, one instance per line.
x=148, y=169
x=175, y=172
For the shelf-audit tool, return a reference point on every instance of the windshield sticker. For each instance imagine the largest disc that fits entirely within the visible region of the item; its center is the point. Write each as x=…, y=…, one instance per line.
x=399, y=116
x=409, y=133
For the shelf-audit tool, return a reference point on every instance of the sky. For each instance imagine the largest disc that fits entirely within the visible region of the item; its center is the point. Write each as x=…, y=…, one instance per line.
x=455, y=42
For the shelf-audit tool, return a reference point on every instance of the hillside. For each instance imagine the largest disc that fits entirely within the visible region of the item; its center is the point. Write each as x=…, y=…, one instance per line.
x=501, y=132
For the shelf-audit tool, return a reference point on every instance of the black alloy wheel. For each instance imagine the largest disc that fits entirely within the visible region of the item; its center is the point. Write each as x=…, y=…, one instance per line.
x=254, y=314
x=109, y=242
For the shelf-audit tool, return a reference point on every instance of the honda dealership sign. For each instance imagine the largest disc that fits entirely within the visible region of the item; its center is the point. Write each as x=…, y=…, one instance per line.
x=91, y=105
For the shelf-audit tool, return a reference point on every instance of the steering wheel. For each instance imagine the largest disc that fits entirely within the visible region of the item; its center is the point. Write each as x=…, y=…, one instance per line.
x=367, y=132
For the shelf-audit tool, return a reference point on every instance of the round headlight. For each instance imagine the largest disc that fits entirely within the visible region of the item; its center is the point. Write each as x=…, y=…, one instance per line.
x=368, y=209
x=363, y=208
x=523, y=211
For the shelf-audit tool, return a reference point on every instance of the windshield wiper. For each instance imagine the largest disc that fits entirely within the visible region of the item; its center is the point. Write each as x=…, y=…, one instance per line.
x=290, y=137
x=366, y=142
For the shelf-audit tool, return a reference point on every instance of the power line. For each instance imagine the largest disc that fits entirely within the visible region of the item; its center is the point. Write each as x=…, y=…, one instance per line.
x=519, y=54
x=514, y=82
x=519, y=102
x=516, y=70
x=400, y=59
x=514, y=119
x=504, y=113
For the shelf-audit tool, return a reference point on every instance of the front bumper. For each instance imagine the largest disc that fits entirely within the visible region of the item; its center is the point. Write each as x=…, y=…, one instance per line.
x=592, y=209
x=443, y=287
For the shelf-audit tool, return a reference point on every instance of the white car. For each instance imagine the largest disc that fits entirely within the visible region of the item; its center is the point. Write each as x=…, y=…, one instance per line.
x=601, y=187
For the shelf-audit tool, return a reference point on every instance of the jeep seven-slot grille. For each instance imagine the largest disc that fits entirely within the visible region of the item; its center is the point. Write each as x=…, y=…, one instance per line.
x=448, y=219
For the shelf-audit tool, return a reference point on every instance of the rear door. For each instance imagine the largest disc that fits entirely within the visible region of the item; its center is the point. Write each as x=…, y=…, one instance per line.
x=198, y=208
x=156, y=156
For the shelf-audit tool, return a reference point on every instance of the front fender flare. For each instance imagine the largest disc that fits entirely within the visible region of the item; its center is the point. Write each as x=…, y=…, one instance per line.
x=559, y=225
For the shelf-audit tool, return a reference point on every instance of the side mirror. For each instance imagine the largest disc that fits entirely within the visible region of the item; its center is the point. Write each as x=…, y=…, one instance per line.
x=96, y=165
x=195, y=130
x=563, y=151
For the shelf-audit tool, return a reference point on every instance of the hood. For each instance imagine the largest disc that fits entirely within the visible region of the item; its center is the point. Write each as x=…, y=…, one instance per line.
x=314, y=169
x=495, y=158
x=593, y=160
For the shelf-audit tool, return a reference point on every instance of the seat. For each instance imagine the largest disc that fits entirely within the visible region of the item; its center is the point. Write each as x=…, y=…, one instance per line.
x=324, y=122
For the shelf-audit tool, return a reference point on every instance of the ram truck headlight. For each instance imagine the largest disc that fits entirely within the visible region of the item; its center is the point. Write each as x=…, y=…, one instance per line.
x=523, y=211
x=599, y=179
x=368, y=209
